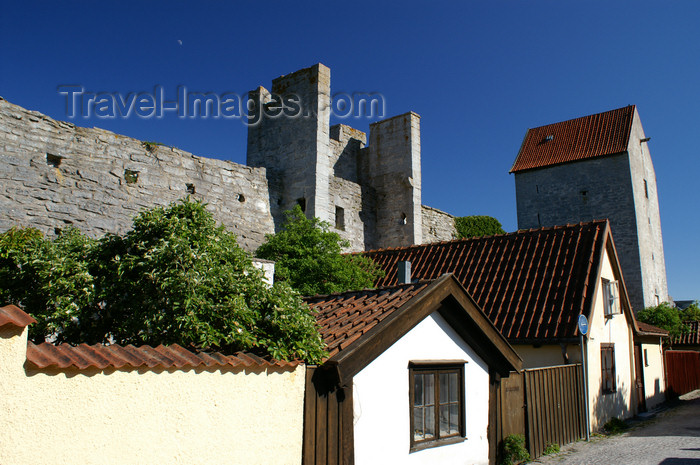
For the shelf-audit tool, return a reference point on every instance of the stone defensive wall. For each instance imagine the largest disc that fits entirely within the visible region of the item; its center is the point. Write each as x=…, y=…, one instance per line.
x=55, y=174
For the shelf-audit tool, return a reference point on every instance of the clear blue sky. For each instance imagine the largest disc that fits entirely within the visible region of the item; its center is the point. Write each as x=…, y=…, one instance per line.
x=479, y=74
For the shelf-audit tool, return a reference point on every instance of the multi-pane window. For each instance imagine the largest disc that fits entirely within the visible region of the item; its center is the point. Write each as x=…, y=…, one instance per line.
x=611, y=295
x=607, y=365
x=437, y=404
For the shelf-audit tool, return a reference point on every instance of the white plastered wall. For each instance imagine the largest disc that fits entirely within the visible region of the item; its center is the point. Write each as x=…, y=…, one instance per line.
x=615, y=330
x=381, y=400
x=654, y=377
x=144, y=416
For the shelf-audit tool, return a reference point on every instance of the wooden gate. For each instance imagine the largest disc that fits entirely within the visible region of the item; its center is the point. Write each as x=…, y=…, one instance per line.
x=328, y=428
x=682, y=372
x=546, y=405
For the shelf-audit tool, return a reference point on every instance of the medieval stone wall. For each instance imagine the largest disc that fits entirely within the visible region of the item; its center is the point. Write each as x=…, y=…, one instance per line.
x=437, y=225
x=54, y=174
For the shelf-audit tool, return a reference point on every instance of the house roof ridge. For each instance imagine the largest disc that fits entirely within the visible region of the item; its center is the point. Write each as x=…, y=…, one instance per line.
x=630, y=106
x=475, y=238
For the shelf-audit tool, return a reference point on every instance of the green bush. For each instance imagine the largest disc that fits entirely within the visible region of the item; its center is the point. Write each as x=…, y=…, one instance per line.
x=514, y=450
x=308, y=256
x=552, y=449
x=615, y=426
x=475, y=226
x=663, y=316
x=175, y=277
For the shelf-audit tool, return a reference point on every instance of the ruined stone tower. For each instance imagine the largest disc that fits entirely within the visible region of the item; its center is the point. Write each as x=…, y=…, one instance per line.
x=598, y=167
x=370, y=194
x=54, y=174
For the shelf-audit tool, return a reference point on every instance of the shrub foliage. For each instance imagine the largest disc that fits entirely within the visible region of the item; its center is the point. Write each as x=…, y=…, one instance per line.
x=477, y=225
x=175, y=277
x=308, y=256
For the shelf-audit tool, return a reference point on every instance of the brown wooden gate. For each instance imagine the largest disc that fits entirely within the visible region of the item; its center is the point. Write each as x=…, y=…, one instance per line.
x=328, y=428
x=546, y=405
x=682, y=372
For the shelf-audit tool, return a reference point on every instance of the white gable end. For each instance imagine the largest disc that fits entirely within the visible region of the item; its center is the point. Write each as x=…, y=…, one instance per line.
x=382, y=405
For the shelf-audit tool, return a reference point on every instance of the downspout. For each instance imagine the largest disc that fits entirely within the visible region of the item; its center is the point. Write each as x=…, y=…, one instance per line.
x=584, y=367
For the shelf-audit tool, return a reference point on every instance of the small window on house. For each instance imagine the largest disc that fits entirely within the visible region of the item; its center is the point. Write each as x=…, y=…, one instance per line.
x=646, y=358
x=611, y=297
x=584, y=196
x=646, y=189
x=437, y=404
x=190, y=188
x=404, y=219
x=131, y=176
x=340, y=218
x=607, y=366
x=301, y=201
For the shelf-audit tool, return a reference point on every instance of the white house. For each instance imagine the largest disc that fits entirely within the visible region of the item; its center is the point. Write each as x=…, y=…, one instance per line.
x=533, y=285
x=411, y=377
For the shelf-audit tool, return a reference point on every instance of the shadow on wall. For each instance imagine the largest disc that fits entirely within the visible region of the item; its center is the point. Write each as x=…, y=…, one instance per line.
x=611, y=405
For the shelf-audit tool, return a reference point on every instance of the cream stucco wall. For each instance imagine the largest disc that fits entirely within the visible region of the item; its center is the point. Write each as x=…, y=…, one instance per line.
x=548, y=355
x=381, y=400
x=617, y=330
x=654, y=375
x=144, y=416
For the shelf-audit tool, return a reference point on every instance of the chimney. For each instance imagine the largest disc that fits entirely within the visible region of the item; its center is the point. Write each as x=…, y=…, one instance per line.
x=404, y=272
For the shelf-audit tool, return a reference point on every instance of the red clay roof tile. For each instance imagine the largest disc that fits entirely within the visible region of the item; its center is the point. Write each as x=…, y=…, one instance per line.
x=591, y=136
x=651, y=329
x=13, y=315
x=100, y=356
x=343, y=318
x=690, y=338
x=531, y=284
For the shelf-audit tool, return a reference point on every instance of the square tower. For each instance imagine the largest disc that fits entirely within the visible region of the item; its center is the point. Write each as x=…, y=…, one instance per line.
x=598, y=167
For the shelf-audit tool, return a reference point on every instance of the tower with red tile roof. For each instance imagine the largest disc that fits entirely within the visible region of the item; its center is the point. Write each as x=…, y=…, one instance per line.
x=597, y=167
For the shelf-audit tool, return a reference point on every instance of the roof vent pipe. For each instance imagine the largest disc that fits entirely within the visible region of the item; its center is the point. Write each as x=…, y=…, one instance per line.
x=404, y=272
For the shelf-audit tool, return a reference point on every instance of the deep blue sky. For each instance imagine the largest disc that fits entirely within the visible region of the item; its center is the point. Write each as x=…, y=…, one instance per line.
x=479, y=74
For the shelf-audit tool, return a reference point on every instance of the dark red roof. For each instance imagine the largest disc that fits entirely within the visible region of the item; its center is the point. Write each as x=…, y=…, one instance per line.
x=577, y=139
x=646, y=328
x=689, y=338
x=344, y=317
x=531, y=284
x=13, y=315
x=102, y=356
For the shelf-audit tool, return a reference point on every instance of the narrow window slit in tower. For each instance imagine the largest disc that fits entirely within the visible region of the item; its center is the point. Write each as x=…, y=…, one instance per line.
x=339, y=218
x=301, y=201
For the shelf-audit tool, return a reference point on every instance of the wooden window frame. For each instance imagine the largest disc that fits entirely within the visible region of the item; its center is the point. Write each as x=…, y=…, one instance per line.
x=611, y=298
x=436, y=367
x=608, y=347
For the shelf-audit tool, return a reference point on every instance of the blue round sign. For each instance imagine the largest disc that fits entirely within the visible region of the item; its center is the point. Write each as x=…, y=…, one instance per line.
x=582, y=324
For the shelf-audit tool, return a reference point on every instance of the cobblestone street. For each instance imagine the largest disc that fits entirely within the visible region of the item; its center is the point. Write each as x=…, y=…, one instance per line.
x=671, y=438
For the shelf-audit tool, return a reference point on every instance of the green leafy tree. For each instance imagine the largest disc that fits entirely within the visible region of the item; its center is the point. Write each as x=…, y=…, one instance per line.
x=663, y=316
x=309, y=257
x=51, y=279
x=691, y=312
x=176, y=277
x=477, y=225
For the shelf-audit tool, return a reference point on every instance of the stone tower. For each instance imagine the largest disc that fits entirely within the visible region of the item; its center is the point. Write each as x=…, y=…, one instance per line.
x=371, y=194
x=598, y=167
